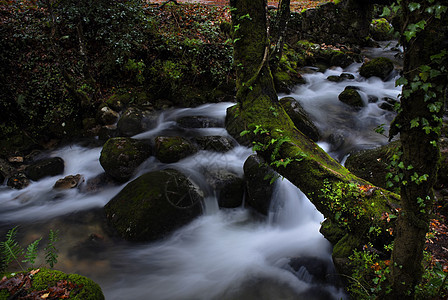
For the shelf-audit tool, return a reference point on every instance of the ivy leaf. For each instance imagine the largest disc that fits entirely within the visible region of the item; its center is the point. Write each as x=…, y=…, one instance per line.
x=401, y=81
x=414, y=123
x=414, y=6
x=386, y=12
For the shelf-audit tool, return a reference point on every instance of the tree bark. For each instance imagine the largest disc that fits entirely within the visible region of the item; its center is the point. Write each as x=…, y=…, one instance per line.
x=350, y=203
x=419, y=140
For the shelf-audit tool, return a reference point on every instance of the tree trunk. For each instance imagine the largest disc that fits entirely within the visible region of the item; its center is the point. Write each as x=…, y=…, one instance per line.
x=281, y=26
x=419, y=125
x=350, y=203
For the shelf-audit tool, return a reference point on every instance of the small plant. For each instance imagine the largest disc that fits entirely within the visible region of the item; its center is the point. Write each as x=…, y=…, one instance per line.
x=11, y=251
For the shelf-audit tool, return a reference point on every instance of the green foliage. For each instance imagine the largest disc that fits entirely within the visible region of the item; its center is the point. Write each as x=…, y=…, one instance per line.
x=51, y=256
x=11, y=251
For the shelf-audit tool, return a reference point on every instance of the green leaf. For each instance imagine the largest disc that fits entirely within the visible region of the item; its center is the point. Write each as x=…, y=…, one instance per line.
x=386, y=12
x=414, y=6
x=31, y=252
x=401, y=81
x=415, y=123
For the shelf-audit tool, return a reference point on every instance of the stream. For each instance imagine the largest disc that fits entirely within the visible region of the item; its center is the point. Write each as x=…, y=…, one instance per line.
x=225, y=253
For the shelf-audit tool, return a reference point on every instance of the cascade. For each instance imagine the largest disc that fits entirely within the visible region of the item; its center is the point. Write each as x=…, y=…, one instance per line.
x=225, y=253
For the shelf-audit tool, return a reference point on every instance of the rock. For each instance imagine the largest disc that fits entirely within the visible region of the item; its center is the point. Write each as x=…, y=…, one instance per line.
x=380, y=30
x=335, y=78
x=229, y=187
x=258, y=187
x=98, y=183
x=108, y=116
x=351, y=97
x=68, y=182
x=18, y=181
x=154, y=205
x=380, y=67
x=314, y=268
x=347, y=76
x=130, y=122
x=107, y=131
x=170, y=149
x=300, y=118
x=215, y=143
x=372, y=164
x=45, y=167
x=388, y=104
x=199, y=122
x=121, y=156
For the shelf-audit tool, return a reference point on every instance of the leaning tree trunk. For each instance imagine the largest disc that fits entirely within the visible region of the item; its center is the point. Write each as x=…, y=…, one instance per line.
x=419, y=124
x=351, y=204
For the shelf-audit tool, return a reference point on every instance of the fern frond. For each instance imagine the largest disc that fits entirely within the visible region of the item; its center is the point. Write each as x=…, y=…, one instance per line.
x=10, y=249
x=51, y=256
x=31, y=252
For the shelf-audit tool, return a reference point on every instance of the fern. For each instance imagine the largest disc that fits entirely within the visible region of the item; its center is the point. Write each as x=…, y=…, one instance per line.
x=31, y=252
x=10, y=249
x=51, y=256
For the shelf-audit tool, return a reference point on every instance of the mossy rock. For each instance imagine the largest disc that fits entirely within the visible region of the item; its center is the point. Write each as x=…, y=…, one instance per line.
x=130, y=122
x=118, y=101
x=300, y=118
x=380, y=30
x=380, y=67
x=170, y=149
x=154, y=205
x=258, y=187
x=372, y=164
x=121, y=156
x=45, y=167
x=52, y=284
x=351, y=97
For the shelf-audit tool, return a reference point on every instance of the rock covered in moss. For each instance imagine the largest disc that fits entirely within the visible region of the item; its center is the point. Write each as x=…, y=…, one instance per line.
x=107, y=116
x=45, y=167
x=300, y=118
x=372, y=164
x=121, y=156
x=380, y=30
x=49, y=284
x=153, y=205
x=170, y=149
x=351, y=97
x=380, y=67
x=130, y=122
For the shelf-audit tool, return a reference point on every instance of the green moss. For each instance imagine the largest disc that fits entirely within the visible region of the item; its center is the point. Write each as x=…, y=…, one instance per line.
x=45, y=279
x=379, y=67
x=345, y=246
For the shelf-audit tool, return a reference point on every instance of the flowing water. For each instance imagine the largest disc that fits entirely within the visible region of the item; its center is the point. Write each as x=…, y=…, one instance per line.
x=224, y=254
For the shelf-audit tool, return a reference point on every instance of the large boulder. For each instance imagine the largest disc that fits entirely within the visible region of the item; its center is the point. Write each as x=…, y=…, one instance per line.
x=300, y=118
x=350, y=96
x=170, y=149
x=258, y=186
x=107, y=116
x=45, y=167
x=380, y=67
x=154, y=205
x=121, y=156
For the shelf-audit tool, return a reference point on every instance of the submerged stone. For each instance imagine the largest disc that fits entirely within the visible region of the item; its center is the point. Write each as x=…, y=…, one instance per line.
x=170, y=149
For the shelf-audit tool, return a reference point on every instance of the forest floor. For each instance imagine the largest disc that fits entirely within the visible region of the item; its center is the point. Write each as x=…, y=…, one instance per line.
x=295, y=5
